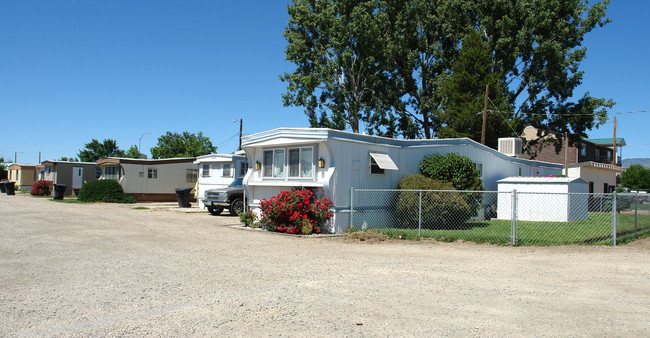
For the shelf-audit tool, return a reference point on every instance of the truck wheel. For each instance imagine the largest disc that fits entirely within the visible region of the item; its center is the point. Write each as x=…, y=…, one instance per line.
x=215, y=211
x=236, y=207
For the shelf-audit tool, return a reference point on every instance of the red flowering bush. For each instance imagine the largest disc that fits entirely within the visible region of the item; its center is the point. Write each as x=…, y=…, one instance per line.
x=286, y=212
x=41, y=188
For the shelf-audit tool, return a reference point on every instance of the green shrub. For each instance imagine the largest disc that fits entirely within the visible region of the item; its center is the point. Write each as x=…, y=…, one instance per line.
x=41, y=188
x=440, y=210
x=104, y=191
x=453, y=168
x=247, y=217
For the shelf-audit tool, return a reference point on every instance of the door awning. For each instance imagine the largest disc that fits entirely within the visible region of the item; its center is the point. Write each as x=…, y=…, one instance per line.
x=384, y=161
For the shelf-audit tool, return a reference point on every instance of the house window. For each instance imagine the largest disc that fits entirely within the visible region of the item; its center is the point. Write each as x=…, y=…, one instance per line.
x=47, y=170
x=98, y=173
x=243, y=169
x=583, y=149
x=520, y=171
x=227, y=172
x=274, y=163
x=152, y=173
x=191, y=175
x=205, y=170
x=479, y=168
x=111, y=172
x=301, y=161
x=609, y=156
x=380, y=162
x=597, y=154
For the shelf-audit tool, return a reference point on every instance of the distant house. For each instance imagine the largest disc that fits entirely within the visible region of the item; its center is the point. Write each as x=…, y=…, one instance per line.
x=331, y=162
x=23, y=174
x=218, y=171
x=72, y=174
x=591, y=160
x=150, y=180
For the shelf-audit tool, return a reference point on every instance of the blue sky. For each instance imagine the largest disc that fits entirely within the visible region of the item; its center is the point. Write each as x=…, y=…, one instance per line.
x=71, y=71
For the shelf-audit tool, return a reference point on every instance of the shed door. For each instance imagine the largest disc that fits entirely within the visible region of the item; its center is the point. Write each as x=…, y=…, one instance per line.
x=77, y=177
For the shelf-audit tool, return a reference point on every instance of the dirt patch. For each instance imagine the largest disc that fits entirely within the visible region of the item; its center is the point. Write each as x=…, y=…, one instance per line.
x=109, y=270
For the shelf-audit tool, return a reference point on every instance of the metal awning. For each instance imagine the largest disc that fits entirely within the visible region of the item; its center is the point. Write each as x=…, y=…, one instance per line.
x=384, y=161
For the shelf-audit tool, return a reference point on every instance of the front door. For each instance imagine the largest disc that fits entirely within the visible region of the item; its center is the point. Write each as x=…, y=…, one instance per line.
x=77, y=177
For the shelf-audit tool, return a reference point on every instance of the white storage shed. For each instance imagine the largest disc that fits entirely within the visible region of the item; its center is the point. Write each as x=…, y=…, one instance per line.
x=543, y=199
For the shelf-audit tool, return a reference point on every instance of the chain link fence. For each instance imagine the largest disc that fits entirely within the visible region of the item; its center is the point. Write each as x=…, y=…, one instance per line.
x=502, y=217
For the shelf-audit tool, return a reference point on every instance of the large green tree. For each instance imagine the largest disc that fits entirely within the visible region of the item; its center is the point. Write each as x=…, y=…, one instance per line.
x=94, y=150
x=385, y=62
x=636, y=177
x=464, y=96
x=133, y=152
x=182, y=145
x=336, y=47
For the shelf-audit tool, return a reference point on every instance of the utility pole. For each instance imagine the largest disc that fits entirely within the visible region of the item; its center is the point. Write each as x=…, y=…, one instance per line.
x=614, y=159
x=241, y=124
x=484, y=129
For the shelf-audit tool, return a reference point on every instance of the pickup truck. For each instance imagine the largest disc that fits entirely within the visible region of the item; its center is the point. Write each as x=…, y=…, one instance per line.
x=231, y=197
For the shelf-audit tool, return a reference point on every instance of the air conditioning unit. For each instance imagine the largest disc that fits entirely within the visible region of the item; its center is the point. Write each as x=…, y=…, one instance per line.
x=510, y=146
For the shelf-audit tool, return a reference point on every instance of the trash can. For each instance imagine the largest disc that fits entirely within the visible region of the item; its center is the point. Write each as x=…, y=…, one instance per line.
x=2, y=187
x=183, y=196
x=59, y=190
x=10, y=188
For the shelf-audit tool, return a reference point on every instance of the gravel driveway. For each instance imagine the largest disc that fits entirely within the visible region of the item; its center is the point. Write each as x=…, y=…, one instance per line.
x=111, y=270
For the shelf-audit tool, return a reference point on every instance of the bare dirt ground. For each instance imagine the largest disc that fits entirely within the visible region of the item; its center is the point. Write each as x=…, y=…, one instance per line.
x=111, y=270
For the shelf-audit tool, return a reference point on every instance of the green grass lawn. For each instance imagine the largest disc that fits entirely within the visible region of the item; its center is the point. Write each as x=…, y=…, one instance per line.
x=597, y=229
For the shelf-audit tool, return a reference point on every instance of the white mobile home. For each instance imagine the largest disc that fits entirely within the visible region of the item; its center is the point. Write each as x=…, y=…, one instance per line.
x=330, y=162
x=218, y=171
x=150, y=180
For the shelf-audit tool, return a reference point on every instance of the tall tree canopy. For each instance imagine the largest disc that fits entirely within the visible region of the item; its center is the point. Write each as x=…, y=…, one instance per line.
x=386, y=63
x=94, y=150
x=182, y=145
x=134, y=152
x=636, y=177
x=335, y=46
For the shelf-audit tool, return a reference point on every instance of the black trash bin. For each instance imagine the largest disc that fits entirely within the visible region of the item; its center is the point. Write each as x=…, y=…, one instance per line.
x=2, y=187
x=183, y=196
x=59, y=190
x=10, y=188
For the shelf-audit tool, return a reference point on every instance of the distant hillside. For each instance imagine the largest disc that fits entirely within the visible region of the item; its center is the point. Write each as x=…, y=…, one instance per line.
x=642, y=161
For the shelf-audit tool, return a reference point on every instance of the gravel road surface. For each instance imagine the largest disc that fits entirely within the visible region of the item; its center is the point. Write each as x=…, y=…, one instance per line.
x=112, y=270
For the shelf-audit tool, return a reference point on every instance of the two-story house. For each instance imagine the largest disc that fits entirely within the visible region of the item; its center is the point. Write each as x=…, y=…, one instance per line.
x=591, y=159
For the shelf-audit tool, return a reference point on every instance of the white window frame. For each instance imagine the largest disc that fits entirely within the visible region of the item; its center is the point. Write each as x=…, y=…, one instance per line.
x=273, y=165
x=300, y=164
x=152, y=173
x=205, y=173
x=479, y=167
x=226, y=172
x=111, y=172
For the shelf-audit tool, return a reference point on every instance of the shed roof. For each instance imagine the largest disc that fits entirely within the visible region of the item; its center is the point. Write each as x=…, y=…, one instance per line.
x=542, y=180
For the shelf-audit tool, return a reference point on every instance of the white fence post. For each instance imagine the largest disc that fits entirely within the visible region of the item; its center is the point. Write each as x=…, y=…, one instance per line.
x=351, y=207
x=420, y=216
x=513, y=234
x=614, y=219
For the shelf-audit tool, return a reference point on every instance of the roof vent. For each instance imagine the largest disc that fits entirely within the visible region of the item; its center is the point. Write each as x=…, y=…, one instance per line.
x=510, y=146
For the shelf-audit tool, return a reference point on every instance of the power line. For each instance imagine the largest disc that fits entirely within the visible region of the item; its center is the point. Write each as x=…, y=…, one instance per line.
x=592, y=114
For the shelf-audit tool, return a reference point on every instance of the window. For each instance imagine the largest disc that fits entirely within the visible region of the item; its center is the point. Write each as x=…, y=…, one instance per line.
x=597, y=154
x=243, y=169
x=152, y=173
x=479, y=168
x=191, y=175
x=274, y=163
x=520, y=170
x=583, y=149
x=609, y=156
x=98, y=172
x=205, y=170
x=301, y=162
x=227, y=172
x=380, y=162
x=47, y=170
x=111, y=172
